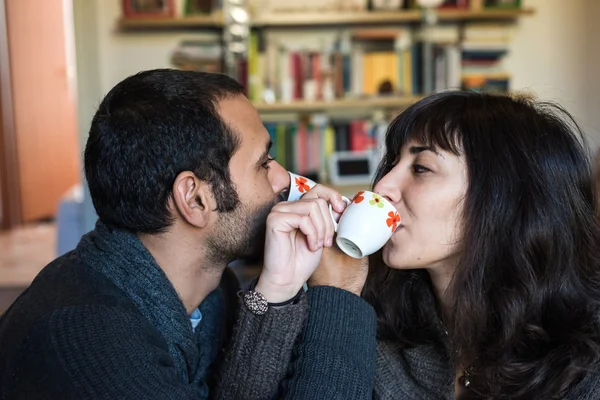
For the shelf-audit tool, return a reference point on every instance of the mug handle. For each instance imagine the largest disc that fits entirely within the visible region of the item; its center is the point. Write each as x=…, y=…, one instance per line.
x=335, y=223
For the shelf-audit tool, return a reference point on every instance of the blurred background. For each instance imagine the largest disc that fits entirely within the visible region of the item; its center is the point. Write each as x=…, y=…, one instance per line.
x=326, y=76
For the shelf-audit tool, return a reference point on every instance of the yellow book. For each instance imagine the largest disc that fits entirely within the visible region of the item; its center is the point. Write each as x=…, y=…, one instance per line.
x=368, y=74
x=253, y=68
x=328, y=140
x=389, y=66
x=379, y=67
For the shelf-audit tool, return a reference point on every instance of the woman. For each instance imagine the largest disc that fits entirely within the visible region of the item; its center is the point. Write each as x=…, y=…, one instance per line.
x=490, y=287
x=497, y=259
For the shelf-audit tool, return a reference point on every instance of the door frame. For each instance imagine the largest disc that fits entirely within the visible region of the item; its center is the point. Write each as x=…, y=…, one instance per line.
x=9, y=172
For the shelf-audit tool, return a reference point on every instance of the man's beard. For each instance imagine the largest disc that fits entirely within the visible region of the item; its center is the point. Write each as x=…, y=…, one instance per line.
x=240, y=234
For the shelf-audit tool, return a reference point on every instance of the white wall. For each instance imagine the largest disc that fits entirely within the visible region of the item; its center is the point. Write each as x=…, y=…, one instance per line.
x=591, y=80
x=106, y=56
x=88, y=64
x=554, y=54
x=89, y=91
x=550, y=56
x=123, y=54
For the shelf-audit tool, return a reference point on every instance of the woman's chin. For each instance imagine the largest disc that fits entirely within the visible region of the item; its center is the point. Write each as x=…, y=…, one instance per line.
x=390, y=257
x=387, y=254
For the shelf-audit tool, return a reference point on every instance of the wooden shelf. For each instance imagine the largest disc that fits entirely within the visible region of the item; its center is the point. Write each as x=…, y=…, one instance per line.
x=389, y=17
x=331, y=18
x=319, y=19
x=392, y=102
x=191, y=22
x=457, y=15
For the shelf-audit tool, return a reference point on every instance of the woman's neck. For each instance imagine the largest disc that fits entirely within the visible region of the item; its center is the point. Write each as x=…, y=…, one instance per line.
x=440, y=279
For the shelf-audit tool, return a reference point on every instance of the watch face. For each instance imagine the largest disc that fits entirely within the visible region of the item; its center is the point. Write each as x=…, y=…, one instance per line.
x=256, y=302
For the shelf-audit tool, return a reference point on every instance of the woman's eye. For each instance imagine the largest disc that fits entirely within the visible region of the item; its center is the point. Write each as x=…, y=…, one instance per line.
x=419, y=169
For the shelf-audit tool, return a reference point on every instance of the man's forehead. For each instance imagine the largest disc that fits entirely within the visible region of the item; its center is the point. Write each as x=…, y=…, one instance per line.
x=243, y=119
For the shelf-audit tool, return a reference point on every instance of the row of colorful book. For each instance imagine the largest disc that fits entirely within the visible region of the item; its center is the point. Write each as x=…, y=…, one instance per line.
x=376, y=62
x=349, y=66
x=305, y=146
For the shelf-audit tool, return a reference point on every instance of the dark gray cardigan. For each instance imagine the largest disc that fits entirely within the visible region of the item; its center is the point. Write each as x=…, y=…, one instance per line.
x=423, y=373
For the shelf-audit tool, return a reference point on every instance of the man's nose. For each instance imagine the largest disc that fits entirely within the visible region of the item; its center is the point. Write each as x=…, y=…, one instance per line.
x=279, y=177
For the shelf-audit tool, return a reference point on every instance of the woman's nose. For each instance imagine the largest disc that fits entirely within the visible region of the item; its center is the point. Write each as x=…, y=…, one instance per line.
x=388, y=190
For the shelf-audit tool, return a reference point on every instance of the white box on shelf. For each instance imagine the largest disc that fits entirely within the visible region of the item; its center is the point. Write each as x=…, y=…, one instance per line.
x=353, y=167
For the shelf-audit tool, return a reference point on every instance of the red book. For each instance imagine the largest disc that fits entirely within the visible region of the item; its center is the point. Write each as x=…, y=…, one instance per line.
x=302, y=149
x=242, y=77
x=359, y=138
x=296, y=74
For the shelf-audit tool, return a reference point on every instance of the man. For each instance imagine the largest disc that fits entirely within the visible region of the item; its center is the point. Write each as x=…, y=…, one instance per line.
x=180, y=175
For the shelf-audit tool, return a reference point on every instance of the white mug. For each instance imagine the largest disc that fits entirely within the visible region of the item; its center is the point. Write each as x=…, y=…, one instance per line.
x=299, y=185
x=366, y=225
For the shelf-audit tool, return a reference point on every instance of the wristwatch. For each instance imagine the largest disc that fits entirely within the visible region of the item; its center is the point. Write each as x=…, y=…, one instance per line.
x=257, y=303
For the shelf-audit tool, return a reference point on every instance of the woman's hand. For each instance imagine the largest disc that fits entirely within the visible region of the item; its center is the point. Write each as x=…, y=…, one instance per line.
x=340, y=270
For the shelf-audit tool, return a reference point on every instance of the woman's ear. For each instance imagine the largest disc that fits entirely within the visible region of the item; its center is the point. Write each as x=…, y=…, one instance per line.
x=193, y=199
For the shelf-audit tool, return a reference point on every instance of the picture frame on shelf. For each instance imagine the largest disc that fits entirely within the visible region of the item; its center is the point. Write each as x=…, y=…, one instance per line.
x=502, y=4
x=148, y=8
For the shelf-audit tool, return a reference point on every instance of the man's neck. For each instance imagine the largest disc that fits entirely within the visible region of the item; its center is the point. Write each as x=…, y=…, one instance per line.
x=186, y=265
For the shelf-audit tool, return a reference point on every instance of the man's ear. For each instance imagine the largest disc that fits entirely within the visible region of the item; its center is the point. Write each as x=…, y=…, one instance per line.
x=193, y=199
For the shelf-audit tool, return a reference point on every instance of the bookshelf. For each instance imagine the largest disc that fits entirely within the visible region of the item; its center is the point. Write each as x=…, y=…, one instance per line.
x=329, y=82
x=292, y=20
x=210, y=21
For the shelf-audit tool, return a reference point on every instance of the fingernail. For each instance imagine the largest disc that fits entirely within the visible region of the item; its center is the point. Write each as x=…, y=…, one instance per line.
x=329, y=242
x=320, y=243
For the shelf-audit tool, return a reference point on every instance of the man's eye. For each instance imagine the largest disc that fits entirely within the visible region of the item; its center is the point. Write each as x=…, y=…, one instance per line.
x=265, y=165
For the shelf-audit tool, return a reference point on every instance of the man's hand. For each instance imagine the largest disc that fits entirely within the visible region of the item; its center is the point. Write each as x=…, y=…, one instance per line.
x=297, y=232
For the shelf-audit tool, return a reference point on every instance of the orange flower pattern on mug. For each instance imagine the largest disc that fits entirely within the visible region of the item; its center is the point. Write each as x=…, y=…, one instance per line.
x=359, y=197
x=377, y=201
x=393, y=220
x=301, y=185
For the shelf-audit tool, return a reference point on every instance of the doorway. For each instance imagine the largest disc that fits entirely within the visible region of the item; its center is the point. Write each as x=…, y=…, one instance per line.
x=40, y=158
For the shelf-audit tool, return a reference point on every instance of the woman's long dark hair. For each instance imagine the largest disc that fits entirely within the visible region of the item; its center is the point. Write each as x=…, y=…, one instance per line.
x=597, y=180
x=524, y=300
